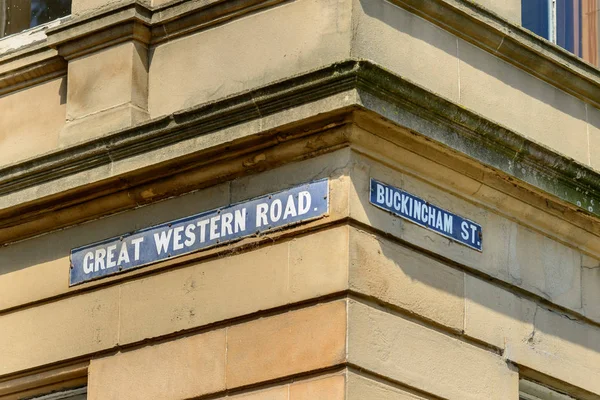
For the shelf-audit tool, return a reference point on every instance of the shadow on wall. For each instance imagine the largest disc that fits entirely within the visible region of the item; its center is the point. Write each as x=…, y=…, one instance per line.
x=481, y=82
x=31, y=120
x=415, y=274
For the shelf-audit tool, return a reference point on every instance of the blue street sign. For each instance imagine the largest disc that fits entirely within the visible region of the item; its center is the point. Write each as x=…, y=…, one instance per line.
x=198, y=232
x=417, y=210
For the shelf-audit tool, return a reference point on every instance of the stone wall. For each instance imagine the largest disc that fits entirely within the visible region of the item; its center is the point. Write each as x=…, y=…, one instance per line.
x=131, y=115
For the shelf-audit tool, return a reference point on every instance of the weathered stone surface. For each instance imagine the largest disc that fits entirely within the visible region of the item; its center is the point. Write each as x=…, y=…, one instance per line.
x=593, y=125
x=206, y=65
x=23, y=137
x=493, y=260
x=58, y=331
x=507, y=9
x=318, y=264
x=180, y=369
x=209, y=292
x=40, y=281
x=511, y=252
x=545, y=267
x=290, y=343
x=404, y=278
x=426, y=359
x=558, y=346
x=234, y=286
x=106, y=79
x=361, y=388
x=590, y=287
x=494, y=315
x=485, y=84
x=532, y=336
x=333, y=387
x=79, y=7
x=277, y=393
x=108, y=87
x=428, y=54
x=38, y=268
x=99, y=124
x=335, y=165
x=318, y=388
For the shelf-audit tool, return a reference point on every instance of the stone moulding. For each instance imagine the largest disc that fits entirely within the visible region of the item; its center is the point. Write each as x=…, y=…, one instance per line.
x=512, y=43
x=183, y=19
x=48, y=68
x=465, y=19
x=380, y=92
x=462, y=18
x=79, y=37
x=27, y=385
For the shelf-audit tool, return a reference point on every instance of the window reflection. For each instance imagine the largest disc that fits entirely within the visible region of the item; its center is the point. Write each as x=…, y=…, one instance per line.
x=535, y=15
x=571, y=24
x=18, y=15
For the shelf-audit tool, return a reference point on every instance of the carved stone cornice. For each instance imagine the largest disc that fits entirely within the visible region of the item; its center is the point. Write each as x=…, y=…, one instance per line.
x=45, y=381
x=82, y=36
x=184, y=19
x=573, y=188
x=512, y=43
x=45, y=65
x=134, y=20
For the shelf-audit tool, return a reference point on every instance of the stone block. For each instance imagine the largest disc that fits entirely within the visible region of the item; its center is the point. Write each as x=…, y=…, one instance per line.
x=485, y=84
x=590, y=287
x=545, y=267
x=294, y=342
x=23, y=137
x=180, y=369
x=507, y=9
x=318, y=264
x=35, y=282
x=361, y=388
x=406, y=45
x=59, y=330
x=109, y=86
x=330, y=388
x=277, y=393
x=106, y=79
x=319, y=388
x=79, y=7
x=205, y=293
x=100, y=124
x=158, y=3
x=593, y=124
x=426, y=359
x=495, y=315
x=206, y=65
x=402, y=277
x=235, y=285
x=561, y=347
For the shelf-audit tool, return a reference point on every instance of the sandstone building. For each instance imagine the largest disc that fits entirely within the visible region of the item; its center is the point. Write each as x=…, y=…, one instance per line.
x=302, y=199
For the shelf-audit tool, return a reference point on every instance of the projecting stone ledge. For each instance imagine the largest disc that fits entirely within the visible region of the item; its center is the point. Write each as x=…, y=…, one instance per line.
x=329, y=95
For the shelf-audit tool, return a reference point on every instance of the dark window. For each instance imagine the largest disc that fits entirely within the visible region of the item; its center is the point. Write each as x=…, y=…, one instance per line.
x=18, y=15
x=535, y=16
x=571, y=24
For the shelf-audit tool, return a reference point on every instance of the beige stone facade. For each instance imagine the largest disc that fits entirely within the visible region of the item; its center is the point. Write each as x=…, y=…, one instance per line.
x=130, y=114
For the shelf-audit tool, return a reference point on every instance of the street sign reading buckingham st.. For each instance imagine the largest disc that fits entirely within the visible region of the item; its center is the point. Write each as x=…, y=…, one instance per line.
x=417, y=210
x=201, y=231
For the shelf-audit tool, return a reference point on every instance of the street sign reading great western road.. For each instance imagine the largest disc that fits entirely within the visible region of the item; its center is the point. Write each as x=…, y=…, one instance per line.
x=201, y=231
x=417, y=210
